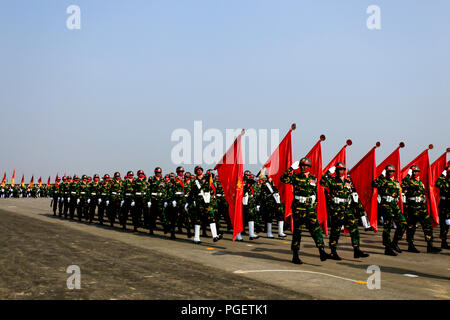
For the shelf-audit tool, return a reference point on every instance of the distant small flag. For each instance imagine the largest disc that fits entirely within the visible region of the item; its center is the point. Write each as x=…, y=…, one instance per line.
x=13, y=178
x=40, y=182
x=31, y=182
x=22, y=183
x=48, y=182
x=4, y=180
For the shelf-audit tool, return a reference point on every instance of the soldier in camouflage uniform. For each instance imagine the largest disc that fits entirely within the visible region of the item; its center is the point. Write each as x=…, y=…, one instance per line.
x=443, y=183
x=158, y=199
x=389, y=190
x=221, y=206
x=128, y=199
x=357, y=208
x=340, y=189
x=417, y=210
x=94, y=195
x=73, y=196
x=83, y=195
x=271, y=207
x=304, y=206
x=177, y=198
x=200, y=204
x=55, y=194
x=115, y=196
x=139, y=208
x=103, y=196
x=249, y=212
x=67, y=181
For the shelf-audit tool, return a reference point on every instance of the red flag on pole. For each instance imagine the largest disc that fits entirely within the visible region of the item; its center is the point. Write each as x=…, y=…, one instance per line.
x=13, y=178
x=340, y=157
x=230, y=170
x=57, y=177
x=4, y=180
x=315, y=155
x=362, y=174
x=40, y=182
x=436, y=170
x=31, y=182
x=393, y=159
x=48, y=181
x=423, y=161
x=276, y=165
x=22, y=183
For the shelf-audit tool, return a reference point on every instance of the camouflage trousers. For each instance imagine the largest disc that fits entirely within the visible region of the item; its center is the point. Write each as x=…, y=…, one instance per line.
x=82, y=209
x=444, y=213
x=113, y=209
x=417, y=212
x=341, y=215
x=92, y=206
x=138, y=211
x=249, y=212
x=305, y=215
x=203, y=213
x=125, y=211
x=157, y=211
x=392, y=214
x=272, y=211
x=221, y=211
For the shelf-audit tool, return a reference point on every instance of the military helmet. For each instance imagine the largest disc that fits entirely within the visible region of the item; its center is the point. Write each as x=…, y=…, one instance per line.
x=305, y=162
x=389, y=167
x=415, y=167
x=63, y=178
x=130, y=173
x=140, y=172
x=84, y=177
x=247, y=172
x=116, y=174
x=158, y=170
x=188, y=174
x=96, y=176
x=340, y=165
x=76, y=178
x=180, y=169
x=106, y=176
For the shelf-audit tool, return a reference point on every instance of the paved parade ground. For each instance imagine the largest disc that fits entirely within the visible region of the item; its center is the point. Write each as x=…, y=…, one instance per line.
x=36, y=248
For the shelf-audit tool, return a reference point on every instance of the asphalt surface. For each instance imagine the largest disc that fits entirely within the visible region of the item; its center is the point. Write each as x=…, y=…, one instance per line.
x=36, y=248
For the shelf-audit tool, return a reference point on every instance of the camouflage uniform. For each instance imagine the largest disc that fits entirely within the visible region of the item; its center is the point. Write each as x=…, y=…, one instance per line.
x=417, y=210
x=390, y=192
x=115, y=196
x=271, y=207
x=73, y=194
x=157, y=191
x=139, y=210
x=222, y=206
x=443, y=184
x=83, y=207
x=303, y=207
x=94, y=195
x=177, y=212
x=128, y=198
x=103, y=197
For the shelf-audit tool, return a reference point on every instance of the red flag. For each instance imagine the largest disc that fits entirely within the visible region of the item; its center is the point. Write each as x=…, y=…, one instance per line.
x=340, y=157
x=23, y=181
x=393, y=159
x=40, y=182
x=4, y=180
x=362, y=174
x=423, y=161
x=31, y=182
x=48, y=181
x=13, y=178
x=57, y=177
x=278, y=163
x=436, y=170
x=230, y=170
x=315, y=155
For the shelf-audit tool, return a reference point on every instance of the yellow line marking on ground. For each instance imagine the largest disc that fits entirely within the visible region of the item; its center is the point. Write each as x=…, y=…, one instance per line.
x=209, y=248
x=302, y=271
x=286, y=242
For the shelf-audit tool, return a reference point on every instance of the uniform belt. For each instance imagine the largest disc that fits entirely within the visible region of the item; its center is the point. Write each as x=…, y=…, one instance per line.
x=156, y=193
x=93, y=194
x=139, y=193
x=443, y=198
x=219, y=195
x=73, y=192
x=303, y=199
x=179, y=193
x=389, y=198
x=103, y=194
x=82, y=192
x=340, y=200
x=113, y=192
x=128, y=194
x=416, y=199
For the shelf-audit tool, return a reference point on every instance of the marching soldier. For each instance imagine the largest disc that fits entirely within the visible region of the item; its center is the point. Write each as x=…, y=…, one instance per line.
x=271, y=207
x=249, y=205
x=128, y=199
x=304, y=206
x=443, y=183
x=55, y=194
x=115, y=195
x=139, y=208
x=178, y=202
x=73, y=196
x=157, y=194
x=221, y=206
x=417, y=210
x=340, y=189
x=83, y=195
x=389, y=190
x=94, y=196
x=200, y=200
x=67, y=181
x=103, y=193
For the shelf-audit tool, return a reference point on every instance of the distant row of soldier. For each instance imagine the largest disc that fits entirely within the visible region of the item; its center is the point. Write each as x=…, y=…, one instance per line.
x=24, y=191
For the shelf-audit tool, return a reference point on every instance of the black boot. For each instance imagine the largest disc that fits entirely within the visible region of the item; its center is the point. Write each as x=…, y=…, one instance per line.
x=412, y=248
x=295, y=257
x=357, y=253
x=395, y=246
x=389, y=252
x=172, y=235
x=189, y=234
x=323, y=255
x=334, y=254
x=444, y=245
x=431, y=249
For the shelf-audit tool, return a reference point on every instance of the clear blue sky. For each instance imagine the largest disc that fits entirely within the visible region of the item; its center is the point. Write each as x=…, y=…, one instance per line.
x=107, y=97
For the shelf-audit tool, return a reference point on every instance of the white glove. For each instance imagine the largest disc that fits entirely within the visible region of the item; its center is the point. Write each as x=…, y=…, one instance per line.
x=257, y=208
x=133, y=203
x=174, y=203
x=447, y=222
x=78, y=201
x=313, y=197
x=51, y=198
x=295, y=165
x=149, y=204
x=403, y=198
x=165, y=204
x=444, y=173
x=409, y=172
x=384, y=173
x=186, y=206
x=68, y=199
x=99, y=201
x=379, y=199
x=89, y=200
x=122, y=202
x=355, y=197
x=107, y=202
x=332, y=169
